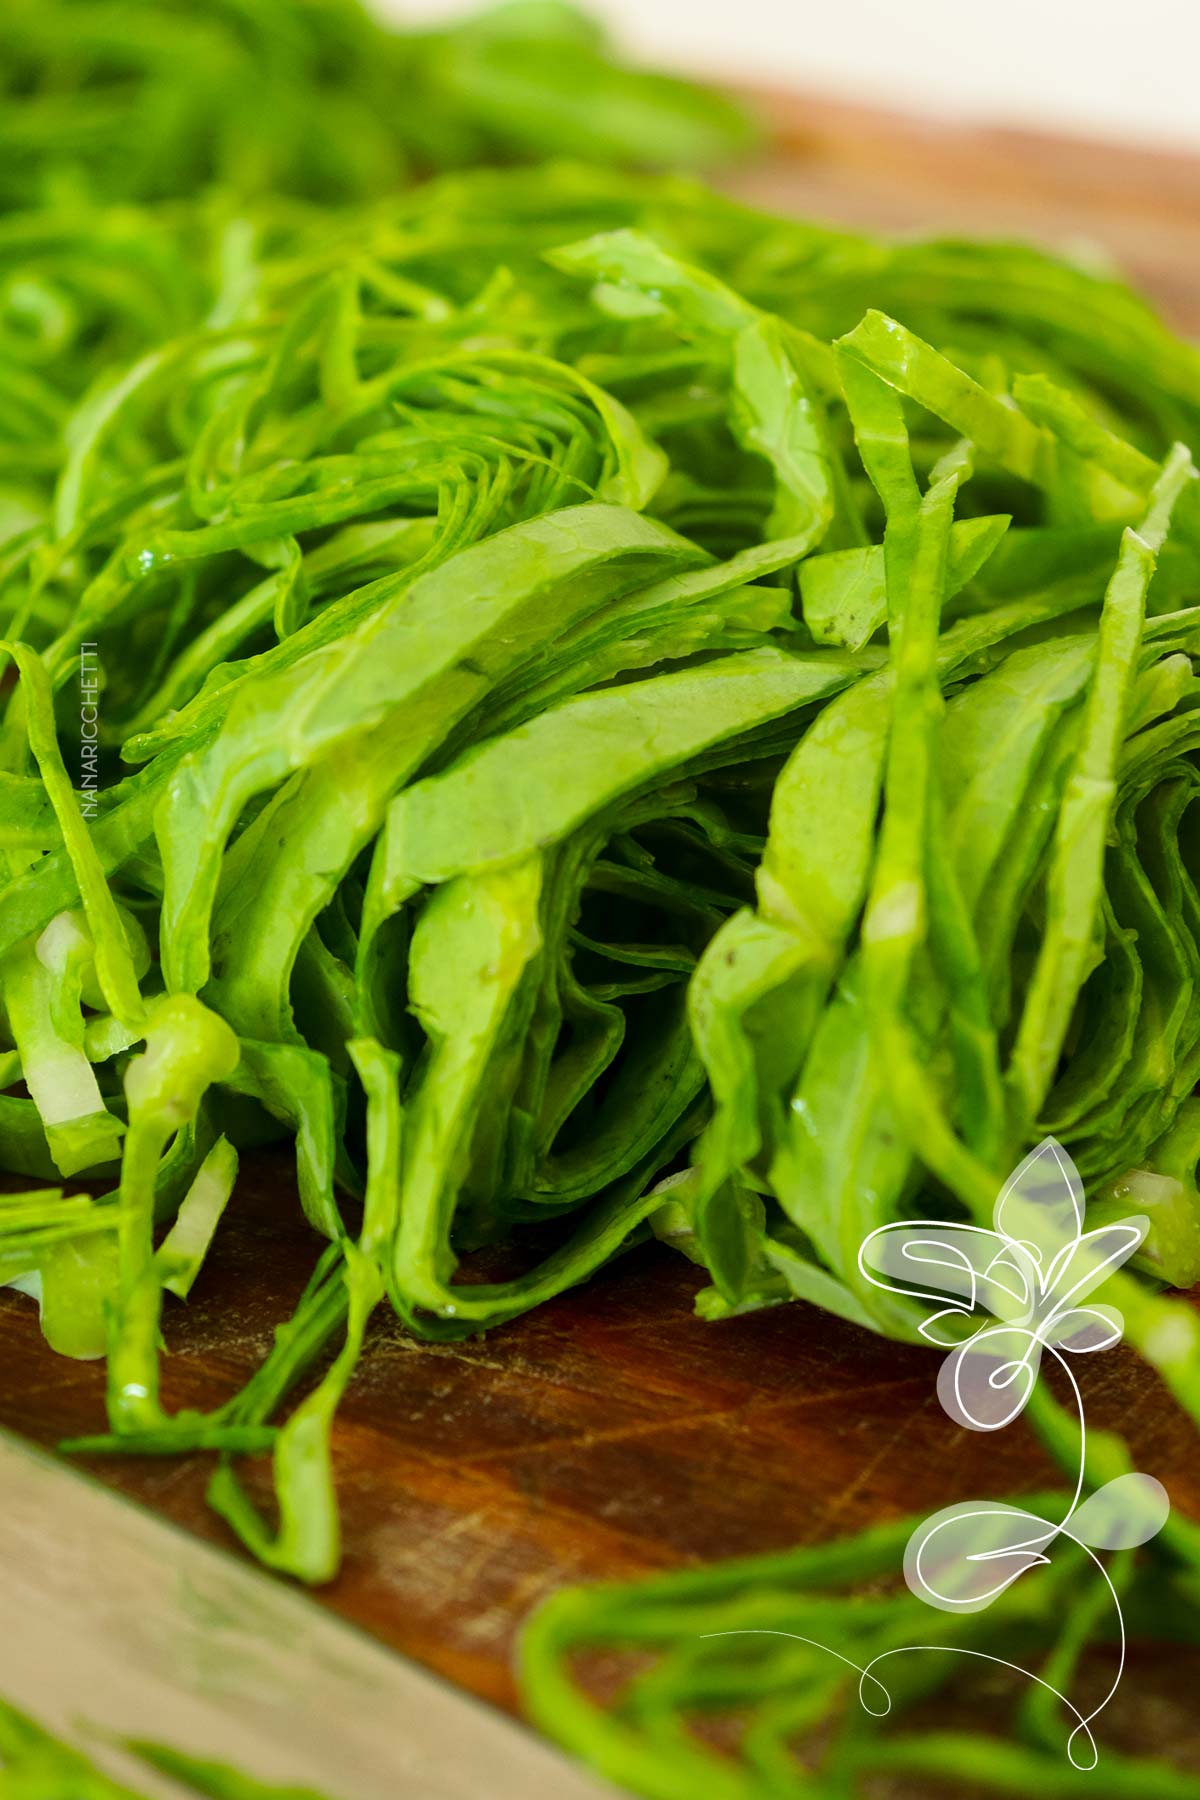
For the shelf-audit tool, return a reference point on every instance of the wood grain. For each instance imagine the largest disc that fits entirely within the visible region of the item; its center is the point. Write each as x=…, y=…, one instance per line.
x=1131, y=208
x=608, y=1434
x=611, y=1432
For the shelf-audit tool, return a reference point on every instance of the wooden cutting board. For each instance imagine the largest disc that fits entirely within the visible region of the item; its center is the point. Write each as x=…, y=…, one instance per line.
x=611, y=1433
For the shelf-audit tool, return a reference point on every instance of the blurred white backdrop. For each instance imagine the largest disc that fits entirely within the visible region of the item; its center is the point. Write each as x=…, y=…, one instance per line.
x=1122, y=68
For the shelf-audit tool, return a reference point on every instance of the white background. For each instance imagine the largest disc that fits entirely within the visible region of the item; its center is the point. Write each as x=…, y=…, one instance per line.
x=1123, y=68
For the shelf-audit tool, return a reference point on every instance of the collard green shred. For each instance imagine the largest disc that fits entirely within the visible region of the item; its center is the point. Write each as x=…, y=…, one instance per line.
x=591, y=711
x=722, y=1674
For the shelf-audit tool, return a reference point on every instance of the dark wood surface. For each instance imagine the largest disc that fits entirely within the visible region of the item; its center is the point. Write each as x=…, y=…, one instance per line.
x=612, y=1433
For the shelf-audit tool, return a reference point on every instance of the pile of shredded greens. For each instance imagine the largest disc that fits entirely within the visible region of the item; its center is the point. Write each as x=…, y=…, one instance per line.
x=133, y=100
x=616, y=714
